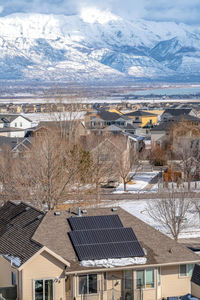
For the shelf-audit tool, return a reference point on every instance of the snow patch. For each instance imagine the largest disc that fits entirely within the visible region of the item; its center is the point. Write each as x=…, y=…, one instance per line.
x=114, y=262
x=13, y=259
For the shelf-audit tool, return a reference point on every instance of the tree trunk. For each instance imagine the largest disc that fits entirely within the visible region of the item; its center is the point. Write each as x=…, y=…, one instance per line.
x=125, y=186
x=98, y=196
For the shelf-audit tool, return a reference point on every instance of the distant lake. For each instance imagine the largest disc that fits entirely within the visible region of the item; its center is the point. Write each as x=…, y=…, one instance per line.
x=170, y=91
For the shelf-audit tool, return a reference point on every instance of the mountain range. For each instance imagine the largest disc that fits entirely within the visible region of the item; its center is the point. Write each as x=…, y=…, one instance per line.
x=97, y=46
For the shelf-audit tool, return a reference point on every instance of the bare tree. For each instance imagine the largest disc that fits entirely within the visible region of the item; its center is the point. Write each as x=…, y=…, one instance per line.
x=7, y=175
x=127, y=163
x=66, y=112
x=103, y=160
x=171, y=211
x=188, y=154
x=46, y=174
x=185, y=138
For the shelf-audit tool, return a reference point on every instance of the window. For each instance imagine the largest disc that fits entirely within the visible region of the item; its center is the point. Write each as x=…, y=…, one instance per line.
x=128, y=274
x=13, y=278
x=145, y=278
x=105, y=281
x=186, y=270
x=43, y=289
x=20, y=124
x=149, y=278
x=159, y=276
x=15, y=124
x=140, y=279
x=88, y=284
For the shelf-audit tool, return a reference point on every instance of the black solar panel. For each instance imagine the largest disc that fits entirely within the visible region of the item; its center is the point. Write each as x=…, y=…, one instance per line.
x=196, y=275
x=111, y=250
x=95, y=222
x=102, y=236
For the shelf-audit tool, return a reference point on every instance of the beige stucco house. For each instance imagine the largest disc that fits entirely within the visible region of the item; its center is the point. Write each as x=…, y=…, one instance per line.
x=40, y=255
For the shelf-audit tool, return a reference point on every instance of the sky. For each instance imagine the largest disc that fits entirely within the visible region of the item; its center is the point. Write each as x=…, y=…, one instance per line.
x=180, y=11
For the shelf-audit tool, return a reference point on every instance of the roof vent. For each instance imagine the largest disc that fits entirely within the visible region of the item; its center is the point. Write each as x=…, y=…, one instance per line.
x=79, y=212
x=145, y=251
x=84, y=211
x=114, y=208
x=27, y=208
x=57, y=213
x=39, y=217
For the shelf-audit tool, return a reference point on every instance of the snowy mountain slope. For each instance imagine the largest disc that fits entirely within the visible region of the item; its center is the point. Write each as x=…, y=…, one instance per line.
x=96, y=46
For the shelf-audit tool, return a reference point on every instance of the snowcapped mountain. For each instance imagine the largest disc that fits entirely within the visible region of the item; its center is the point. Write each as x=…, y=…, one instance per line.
x=96, y=46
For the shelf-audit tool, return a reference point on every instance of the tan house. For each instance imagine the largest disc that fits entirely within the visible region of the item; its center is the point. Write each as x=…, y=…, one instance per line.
x=90, y=254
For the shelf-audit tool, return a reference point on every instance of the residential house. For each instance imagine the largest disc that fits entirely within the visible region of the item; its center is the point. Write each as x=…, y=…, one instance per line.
x=74, y=127
x=14, y=120
x=143, y=117
x=176, y=129
x=171, y=113
x=9, y=142
x=118, y=129
x=12, y=132
x=101, y=118
x=98, y=253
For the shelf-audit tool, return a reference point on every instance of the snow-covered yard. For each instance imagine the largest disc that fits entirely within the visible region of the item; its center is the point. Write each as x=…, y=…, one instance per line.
x=139, y=209
x=139, y=183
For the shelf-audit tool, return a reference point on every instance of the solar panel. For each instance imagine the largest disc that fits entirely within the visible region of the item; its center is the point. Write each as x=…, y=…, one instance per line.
x=100, y=236
x=103, y=237
x=196, y=275
x=95, y=222
x=111, y=250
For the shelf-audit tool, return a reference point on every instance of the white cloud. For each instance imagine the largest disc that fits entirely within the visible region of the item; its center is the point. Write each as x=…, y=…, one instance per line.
x=170, y=10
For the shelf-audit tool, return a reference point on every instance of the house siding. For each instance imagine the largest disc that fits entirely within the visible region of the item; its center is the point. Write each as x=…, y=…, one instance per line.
x=172, y=284
x=195, y=290
x=20, y=121
x=5, y=273
x=43, y=266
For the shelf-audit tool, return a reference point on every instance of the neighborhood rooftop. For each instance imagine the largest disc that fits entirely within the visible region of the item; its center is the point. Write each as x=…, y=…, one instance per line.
x=159, y=248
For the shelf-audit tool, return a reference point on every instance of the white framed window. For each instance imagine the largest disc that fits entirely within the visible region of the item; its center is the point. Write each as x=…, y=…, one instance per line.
x=43, y=289
x=128, y=279
x=87, y=284
x=145, y=278
x=186, y=270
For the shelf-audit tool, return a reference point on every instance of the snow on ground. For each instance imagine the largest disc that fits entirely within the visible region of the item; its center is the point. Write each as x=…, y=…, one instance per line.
x=139, y=208
x=139, y=182
x=59, y=116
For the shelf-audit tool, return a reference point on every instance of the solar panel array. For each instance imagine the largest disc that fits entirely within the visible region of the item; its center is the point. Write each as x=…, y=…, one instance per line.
x=103, y=237
x=96, y=222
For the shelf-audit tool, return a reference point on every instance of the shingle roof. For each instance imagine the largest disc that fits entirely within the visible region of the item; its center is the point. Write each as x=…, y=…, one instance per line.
x=17, y=226
x=166, y=125
x=53, y=233
x=7, y=118
x=110, y=116
x=140, y=113
x=177, y=111
x=11, y=142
